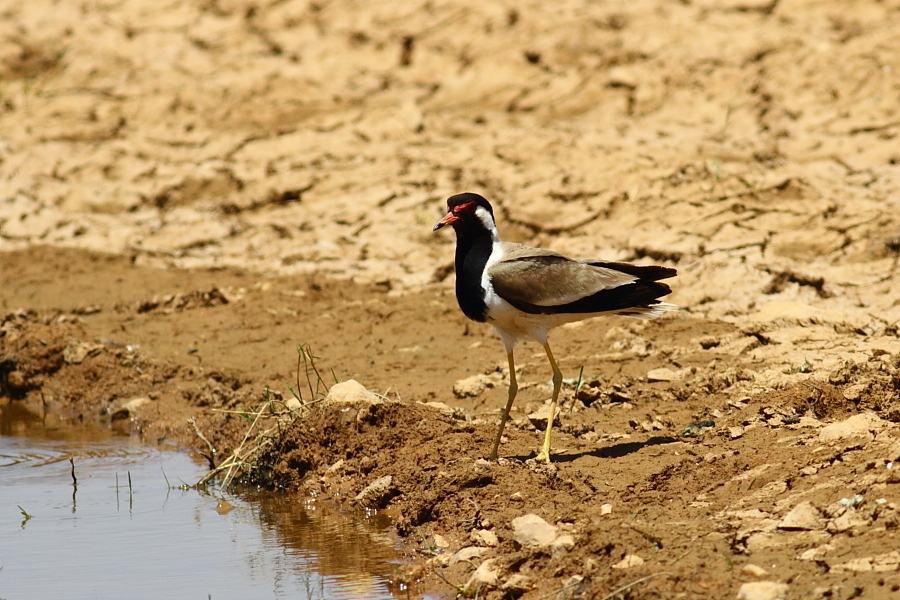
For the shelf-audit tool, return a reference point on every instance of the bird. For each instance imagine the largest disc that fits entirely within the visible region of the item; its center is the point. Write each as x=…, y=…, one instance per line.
x=525, y=292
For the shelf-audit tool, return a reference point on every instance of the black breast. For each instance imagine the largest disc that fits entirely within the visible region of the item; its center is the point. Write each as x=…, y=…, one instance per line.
x=471, y=258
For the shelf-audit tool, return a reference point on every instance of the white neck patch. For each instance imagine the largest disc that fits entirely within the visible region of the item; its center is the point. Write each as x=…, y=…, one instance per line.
x=488, y=221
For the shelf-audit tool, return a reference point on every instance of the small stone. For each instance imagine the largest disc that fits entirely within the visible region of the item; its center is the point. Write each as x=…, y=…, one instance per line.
x=75, y=352
x=129, y=408
x=853, y=392
x=516, y=497
x=485, y=576
x=810, y=470
x=446, y=410
x=471, y=387
x=517, y=583
x=481, y=465
x=709, y=341
x=531, y=531
x=763, y=590
x=485, y=537
x=816, y=553
x=467, y=554
x=855, y=565
x=440, y=541
x=854, y=502
x=605, y=509
x=379, y=492
x=735, y=432
x=293, y=404
x=754, y=571
x=697, y=429
x=662, y=374
x=539, y=417
x=561, y=545
x=631, y=560
x=572, y=588
x=337, y=466
x=803, y=516
x=351, y=392
x=623, y=77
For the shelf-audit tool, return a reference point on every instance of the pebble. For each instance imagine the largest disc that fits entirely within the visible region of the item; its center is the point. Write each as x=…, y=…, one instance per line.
x=754, y=571
x=697, y=429
x=481, y=465
x=539, y=417
x=485, y=576
x=531, y=531
x=467, y=554
x=853, y=392
x=484, y=537
x=471, y=387
x=128, y=409
x=561, y=545
x=351, y=392
x=853, y=502
x=517, y=583
x=446, y=410
x=376, y=492
x=335, y=467
x=572, y=588
x=76, y=352
x=662, y=374
x=816, y=553
x=803, y=516
x=763, y=590
x=605, y=509
x=631, y=560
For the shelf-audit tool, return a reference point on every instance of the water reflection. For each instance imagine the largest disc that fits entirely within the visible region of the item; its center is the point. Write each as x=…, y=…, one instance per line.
x=149, y=539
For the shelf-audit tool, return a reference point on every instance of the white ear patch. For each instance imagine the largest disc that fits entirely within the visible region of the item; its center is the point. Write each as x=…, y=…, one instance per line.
x=488, y=221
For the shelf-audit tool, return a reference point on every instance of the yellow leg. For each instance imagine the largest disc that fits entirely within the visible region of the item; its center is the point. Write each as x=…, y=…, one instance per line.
x=557, y=382
x=513, y=388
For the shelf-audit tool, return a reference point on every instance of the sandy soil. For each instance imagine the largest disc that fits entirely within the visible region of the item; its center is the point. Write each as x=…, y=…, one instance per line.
x=190, y=191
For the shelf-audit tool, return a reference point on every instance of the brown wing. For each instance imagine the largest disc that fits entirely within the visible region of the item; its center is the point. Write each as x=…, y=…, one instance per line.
x=543, y=281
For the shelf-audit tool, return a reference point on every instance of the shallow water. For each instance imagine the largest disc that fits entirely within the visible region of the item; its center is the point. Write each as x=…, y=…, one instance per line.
x=128, y=531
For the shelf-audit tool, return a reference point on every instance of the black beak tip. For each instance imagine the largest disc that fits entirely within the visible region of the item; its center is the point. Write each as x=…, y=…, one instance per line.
x=438, y=226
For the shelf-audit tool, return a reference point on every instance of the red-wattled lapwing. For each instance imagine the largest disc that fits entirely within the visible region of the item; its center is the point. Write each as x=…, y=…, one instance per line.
x=524, y=292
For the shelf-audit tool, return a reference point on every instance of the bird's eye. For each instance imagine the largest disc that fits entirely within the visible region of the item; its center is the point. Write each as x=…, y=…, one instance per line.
x=467, y=207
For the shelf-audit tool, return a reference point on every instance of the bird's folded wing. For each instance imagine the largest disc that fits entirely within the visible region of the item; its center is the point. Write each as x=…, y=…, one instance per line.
x=544, y=278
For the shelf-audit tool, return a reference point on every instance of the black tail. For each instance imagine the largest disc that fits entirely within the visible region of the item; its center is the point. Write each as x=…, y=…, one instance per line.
x=644, y=273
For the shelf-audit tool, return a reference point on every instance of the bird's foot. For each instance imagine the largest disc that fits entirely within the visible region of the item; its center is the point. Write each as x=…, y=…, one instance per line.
x=544, y=455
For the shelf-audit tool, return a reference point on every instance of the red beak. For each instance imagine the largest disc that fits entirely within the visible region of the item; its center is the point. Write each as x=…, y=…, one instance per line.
x=449, y=219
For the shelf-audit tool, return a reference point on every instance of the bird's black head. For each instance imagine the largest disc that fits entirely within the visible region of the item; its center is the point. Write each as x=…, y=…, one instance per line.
x=463, y=213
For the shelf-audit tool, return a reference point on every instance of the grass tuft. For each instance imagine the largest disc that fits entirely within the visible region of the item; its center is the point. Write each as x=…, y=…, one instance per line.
x=267, y=424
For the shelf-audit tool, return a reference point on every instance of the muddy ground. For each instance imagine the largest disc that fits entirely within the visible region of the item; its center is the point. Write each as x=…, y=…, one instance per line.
x=191, y=190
